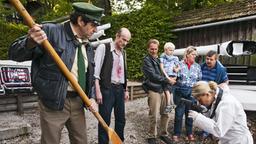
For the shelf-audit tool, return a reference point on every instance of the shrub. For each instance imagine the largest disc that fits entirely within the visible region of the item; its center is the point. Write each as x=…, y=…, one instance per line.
x=9, y=32
x=149, y=22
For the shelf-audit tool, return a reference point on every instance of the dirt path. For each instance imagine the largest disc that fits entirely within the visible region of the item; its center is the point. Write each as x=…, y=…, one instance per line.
x=134, y=131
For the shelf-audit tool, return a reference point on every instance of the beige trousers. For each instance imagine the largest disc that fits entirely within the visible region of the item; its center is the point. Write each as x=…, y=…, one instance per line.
x=157, y=103
x=72, y=116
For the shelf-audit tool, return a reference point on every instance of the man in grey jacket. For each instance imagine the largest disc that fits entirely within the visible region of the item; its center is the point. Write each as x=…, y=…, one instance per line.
x=59, y=104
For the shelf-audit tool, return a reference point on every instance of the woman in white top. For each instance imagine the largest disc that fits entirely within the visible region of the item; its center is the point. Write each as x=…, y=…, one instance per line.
x=228, y=121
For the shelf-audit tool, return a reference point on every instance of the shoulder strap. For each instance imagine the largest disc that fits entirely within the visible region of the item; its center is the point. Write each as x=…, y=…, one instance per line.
x=217, y=102
x=108, y=47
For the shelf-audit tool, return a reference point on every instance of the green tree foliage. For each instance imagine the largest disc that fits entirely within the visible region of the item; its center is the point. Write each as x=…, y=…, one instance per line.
x=195, y=4
x=60, y=9
x=149, y=22
x=184, y=5
x=154, y=20
x=126, y=6
x=9, y=32
x=105, y=4
x=4, y=11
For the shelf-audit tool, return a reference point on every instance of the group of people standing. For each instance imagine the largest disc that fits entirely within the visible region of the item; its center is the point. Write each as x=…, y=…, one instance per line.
x=102, y=74
x=200, y=84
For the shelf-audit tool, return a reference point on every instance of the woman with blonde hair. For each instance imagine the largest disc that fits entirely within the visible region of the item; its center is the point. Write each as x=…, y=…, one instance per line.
x=189, y=74
x=227, y=120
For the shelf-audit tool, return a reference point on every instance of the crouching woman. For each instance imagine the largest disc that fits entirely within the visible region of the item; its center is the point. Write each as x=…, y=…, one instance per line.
x=227, y=120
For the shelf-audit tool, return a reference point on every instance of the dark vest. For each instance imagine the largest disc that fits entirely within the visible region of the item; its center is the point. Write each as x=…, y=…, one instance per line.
x=107, y=66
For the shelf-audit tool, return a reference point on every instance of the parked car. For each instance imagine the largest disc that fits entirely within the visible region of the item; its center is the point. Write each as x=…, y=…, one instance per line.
x=15, y=77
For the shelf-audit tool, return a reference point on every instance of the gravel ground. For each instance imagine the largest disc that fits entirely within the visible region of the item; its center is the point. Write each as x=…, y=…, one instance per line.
x=135, y=129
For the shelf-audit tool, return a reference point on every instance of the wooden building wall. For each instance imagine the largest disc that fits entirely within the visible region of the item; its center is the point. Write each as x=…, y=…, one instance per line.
x=245, y=30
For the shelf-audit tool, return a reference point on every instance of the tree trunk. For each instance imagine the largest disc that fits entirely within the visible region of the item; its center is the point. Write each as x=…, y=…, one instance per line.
x=105, y=4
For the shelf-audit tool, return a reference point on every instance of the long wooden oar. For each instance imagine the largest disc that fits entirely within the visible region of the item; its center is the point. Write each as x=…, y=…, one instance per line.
x=113, y=137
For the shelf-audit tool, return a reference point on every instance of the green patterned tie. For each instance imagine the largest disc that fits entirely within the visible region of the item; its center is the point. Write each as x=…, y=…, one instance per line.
x=81, y=68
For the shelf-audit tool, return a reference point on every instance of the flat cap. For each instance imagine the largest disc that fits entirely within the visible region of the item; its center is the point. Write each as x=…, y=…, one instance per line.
x=89, y=10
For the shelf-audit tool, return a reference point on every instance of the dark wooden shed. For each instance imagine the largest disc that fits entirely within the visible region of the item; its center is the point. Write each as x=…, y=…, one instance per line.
x=232, y=21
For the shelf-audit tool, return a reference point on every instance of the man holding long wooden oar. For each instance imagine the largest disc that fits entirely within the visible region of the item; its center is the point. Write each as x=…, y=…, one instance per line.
x=58, y=102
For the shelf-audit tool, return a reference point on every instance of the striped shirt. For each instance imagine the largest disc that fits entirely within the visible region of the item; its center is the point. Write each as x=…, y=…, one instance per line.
x=217, y=74
x=209, y=74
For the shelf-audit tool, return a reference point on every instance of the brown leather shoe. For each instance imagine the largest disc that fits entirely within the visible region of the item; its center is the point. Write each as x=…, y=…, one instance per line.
x=190, y=138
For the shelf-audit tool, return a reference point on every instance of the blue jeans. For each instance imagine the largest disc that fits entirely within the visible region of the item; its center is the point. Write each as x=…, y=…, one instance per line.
x=112, y=98
x=182, y=92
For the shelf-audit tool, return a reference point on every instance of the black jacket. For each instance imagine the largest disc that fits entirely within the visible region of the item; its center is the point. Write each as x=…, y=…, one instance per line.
x=153, y=77
x=48, y=81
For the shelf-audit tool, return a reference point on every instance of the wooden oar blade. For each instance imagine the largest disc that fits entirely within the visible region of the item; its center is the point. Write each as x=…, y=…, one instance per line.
x=113, y=137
